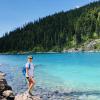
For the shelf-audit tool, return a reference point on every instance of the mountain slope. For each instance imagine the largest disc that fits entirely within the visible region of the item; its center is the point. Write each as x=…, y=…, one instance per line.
x=55, y=32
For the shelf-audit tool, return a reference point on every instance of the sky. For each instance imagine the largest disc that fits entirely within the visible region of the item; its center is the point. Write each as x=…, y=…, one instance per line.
x=16, y=13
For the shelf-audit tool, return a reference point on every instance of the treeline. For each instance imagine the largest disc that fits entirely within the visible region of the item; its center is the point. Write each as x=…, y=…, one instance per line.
x=55, y=32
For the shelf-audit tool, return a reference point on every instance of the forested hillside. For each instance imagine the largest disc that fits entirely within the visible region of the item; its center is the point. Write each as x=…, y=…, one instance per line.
x=55, y=32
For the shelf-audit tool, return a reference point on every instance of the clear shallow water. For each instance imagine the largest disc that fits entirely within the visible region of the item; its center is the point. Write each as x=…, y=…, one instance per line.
x=69, y=71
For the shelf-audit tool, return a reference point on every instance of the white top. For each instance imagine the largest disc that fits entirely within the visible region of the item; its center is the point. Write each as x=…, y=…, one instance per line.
x=31, y=70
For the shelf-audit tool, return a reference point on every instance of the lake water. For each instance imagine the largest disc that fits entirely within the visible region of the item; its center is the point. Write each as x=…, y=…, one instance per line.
x=62, y=71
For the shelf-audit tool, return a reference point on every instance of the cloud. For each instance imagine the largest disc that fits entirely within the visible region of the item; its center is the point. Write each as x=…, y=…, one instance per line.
x=77, y=6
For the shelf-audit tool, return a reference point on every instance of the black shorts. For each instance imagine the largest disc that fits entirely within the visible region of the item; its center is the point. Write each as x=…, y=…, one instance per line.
x=27, y=79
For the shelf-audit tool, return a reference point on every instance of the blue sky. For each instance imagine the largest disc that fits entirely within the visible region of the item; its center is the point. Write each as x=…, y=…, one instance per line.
x=15, y=13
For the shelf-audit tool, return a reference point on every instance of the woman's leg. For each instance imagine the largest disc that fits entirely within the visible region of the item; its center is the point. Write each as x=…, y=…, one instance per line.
x=27, y=80
x=31, y=84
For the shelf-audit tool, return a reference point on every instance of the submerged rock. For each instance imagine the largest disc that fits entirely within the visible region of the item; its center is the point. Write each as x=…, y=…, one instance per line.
x=26, y=96
x=8, y=93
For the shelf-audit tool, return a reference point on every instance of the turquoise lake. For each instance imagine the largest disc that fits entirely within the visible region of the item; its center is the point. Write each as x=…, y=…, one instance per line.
x=62, y=71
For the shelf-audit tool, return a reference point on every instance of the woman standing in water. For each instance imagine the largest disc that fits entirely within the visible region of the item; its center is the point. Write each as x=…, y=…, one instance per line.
x=30, y=74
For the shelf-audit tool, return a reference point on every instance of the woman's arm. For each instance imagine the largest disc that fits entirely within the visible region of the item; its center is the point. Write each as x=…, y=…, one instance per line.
x=27, y=74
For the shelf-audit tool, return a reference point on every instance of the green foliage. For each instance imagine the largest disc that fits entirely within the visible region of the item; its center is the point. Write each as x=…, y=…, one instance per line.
x=38, y=49
x=56, y=49
x=55, y=32
x=97, y=46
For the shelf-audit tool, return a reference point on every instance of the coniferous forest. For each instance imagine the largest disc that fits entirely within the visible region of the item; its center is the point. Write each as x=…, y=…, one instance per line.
x=55, y=32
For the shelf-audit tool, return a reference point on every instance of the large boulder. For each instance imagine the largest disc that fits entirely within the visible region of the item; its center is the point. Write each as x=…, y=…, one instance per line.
x=6, y=92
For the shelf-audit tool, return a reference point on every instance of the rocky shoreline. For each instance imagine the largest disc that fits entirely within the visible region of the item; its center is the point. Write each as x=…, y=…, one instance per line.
x=72, y=50
x=6, y=92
